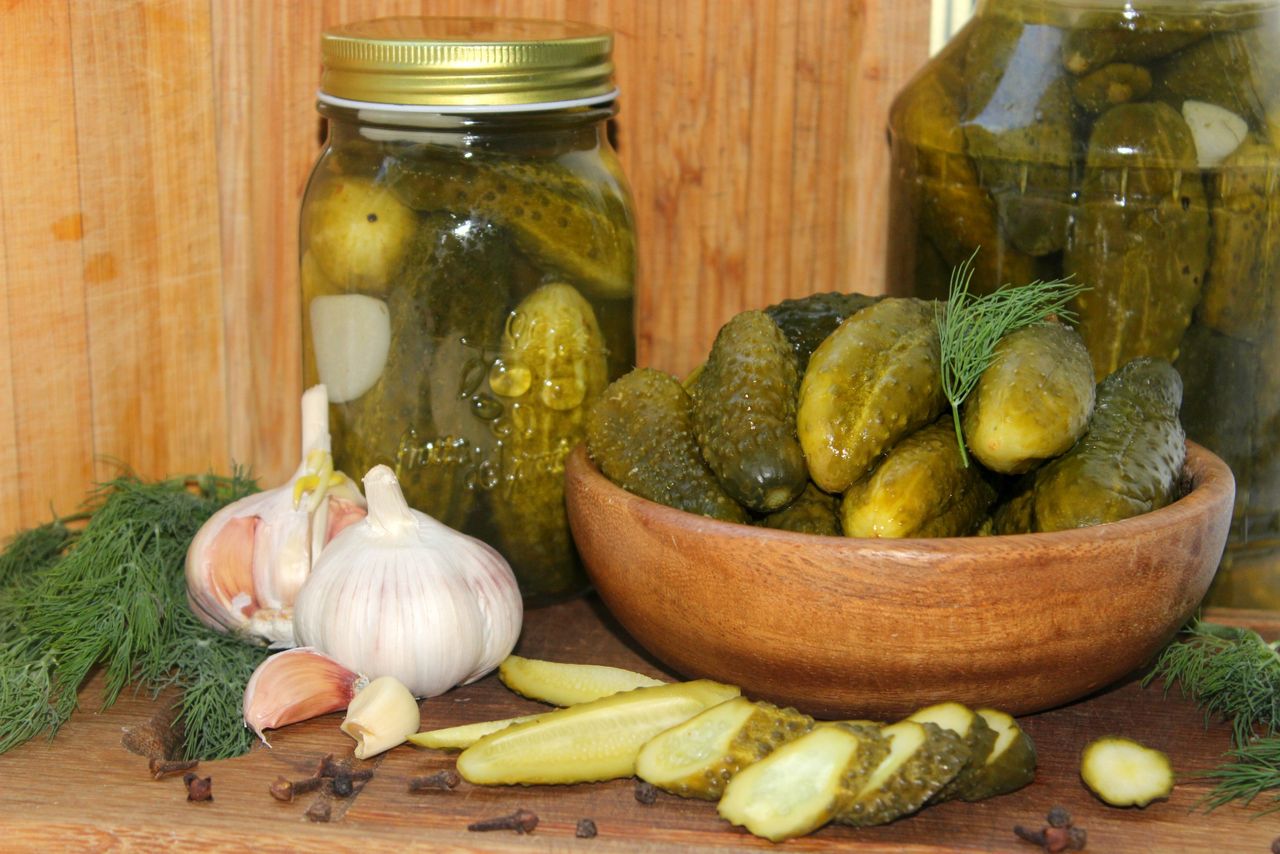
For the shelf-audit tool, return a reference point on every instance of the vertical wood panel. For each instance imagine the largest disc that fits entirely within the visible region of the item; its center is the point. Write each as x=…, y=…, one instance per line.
x=183, y=132
x=48, y=387
x=144, y=118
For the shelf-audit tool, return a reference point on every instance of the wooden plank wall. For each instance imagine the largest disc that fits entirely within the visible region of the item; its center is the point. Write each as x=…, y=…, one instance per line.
x=152, y=155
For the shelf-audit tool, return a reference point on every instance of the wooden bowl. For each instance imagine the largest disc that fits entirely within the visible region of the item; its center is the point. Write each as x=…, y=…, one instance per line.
x=847, y=627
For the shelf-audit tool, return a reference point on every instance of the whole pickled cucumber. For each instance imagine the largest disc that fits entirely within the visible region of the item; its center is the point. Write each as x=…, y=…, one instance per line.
x=697, y=758
x=1116, y=83
x=1018, y=126
x=922, y=759
x=808, y=321
x=871, y=382
x=814, y=512
x=640, y=433
x=1129, y=460
x=1143, y=201
x=357, y=231
x=1033, y=401
x=1013, y=515
x=744, y=413
x=1104, y=37
x=552, y=365
x=568, y=224
x=1241, y=291
x=945, y=196
x=921, y=489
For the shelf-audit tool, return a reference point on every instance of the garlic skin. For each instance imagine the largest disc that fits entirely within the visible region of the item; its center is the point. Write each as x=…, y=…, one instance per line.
x=297, y=685
x=400, y=594
x=381, y=716
x=247, y=563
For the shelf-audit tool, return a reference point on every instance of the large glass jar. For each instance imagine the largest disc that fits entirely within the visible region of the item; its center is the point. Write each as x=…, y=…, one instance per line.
x=468, y=265
x=1136, y=147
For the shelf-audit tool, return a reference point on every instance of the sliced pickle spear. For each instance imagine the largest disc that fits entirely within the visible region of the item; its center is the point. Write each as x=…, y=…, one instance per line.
x=562, y=684
x=922, y=759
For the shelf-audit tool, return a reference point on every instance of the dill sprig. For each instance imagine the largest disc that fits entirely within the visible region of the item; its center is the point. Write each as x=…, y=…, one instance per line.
x=1232, y=673
x=113, y=595
x=970, y=327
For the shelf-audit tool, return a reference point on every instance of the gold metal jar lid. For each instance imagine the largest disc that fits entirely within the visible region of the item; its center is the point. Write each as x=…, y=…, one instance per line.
x=482, y=63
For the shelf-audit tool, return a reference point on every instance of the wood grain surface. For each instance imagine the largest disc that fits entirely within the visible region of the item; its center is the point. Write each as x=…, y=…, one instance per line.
x=154, y=154
x=85, y=791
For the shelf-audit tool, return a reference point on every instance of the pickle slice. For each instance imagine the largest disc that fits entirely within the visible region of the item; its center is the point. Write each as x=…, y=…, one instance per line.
x=697, y=758
x=563, y=684
x=587, y=742
x=978, y=738
x=922, y=759
x=1124, y=773
x=462, y=737
x=801, y=786
x=1009, y=766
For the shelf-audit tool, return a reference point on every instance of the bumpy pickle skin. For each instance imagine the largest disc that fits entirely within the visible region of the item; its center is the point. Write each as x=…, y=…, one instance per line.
x=921, y=489
x=358, y=232
x=807, y=321
x=1116, y=83
x=1018, y=126
x=551, y=366
x=814, y=512
x=590, y=741
x=804, y=783
x=640, y=434
x=922, y=759
x=744, y=413
x=1032, y=402
x=697, y=758
x=954, y=212
x=1129, y=459
x=871, y=382
x=564, y=222
x=1142, y=199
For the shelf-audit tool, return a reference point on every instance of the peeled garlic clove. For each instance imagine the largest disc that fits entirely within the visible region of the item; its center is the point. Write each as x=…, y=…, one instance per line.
x=351, y=335
x=1217, y=131
x=297, y=685
x=382, y=715
x=246, y=564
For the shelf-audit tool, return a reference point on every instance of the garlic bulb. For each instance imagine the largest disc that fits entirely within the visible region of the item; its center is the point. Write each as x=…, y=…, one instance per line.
x=400, y=594
x=248, y=562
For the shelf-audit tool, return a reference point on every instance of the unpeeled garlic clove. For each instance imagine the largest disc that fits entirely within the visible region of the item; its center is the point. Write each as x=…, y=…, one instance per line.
x=383, y=715
x=297, y=685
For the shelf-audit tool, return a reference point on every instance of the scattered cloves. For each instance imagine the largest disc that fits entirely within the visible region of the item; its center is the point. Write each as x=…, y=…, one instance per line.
x=1060, y=834
x=161, y=768
x=586, y=829
x=198, y=788
x=284, y=789
x=321, y=810
x=646, y=793
x=1058, y=817
x=521, y=821
x=342, y=786
x=442, y=780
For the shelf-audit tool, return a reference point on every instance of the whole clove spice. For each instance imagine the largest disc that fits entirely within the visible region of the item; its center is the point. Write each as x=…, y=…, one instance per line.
x=342, y=786
x=284, y=789
x=319, y=811
x=521, y=821
x=161, y=768
x=198, y=788
x=1058, y=817
x=441, y=780
x=586, y=829
x=1060, y=834
x=646, y=793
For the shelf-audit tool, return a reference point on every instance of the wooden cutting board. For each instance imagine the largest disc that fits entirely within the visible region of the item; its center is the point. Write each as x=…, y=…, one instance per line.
x=86, y=791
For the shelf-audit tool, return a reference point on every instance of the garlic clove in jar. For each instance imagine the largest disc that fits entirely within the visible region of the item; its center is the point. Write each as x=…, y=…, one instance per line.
x=1216, y=130
x=399, y=594
x=351, y=336
x=246, y=564
x=297, y=685
x=381, y=716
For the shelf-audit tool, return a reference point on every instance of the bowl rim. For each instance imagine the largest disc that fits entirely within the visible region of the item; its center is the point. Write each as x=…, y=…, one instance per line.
x=1210, y=482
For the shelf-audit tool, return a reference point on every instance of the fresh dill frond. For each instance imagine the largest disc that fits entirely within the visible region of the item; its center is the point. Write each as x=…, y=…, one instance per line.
x=114, y=596
x=1233, y=674
x=970, y=327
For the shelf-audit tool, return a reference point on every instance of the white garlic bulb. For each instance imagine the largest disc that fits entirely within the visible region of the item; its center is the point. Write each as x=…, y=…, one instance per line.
x=247, y=564
x=400, y=594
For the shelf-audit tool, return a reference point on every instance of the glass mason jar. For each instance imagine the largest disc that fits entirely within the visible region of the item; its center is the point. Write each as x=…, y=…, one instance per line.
x=468, y=267
x=1136, y=147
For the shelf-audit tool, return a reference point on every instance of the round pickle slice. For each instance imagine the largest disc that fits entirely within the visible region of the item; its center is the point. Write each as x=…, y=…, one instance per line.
x=697, y=758
x=1124, y=773
x=744, y=413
